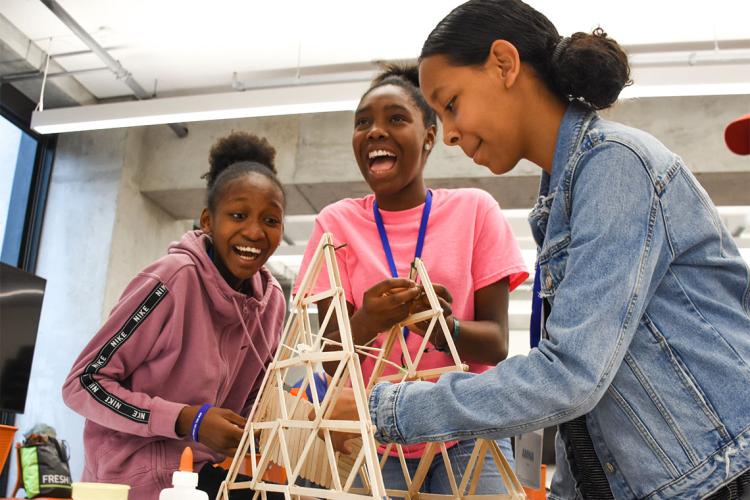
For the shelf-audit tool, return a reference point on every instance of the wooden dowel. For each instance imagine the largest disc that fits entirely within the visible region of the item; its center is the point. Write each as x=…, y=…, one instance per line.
x=312, y=299
x=449, y=471
x=425, y=374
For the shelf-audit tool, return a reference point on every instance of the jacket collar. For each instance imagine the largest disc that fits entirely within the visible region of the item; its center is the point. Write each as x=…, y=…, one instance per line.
x=573, y=126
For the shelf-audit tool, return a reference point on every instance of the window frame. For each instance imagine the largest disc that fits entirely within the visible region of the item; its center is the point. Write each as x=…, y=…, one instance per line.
x=17, y=109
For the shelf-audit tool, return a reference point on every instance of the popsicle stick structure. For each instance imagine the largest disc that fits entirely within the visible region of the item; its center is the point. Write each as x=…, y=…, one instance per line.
x=289, y=431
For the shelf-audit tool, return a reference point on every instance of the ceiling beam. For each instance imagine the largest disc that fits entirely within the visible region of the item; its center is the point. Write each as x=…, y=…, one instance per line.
x=20, y=54
x=120, y=72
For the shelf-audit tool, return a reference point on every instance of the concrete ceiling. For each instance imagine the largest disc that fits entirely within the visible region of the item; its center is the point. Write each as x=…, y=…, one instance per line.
x=174, y=47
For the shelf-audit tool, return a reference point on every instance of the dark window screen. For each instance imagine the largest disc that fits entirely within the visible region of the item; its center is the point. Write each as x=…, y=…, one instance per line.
x=21, y=295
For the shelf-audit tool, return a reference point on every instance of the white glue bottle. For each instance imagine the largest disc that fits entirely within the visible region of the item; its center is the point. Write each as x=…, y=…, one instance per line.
x=184, y=481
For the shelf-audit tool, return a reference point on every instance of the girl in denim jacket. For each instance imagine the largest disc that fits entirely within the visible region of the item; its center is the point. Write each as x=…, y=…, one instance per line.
x=645, y=359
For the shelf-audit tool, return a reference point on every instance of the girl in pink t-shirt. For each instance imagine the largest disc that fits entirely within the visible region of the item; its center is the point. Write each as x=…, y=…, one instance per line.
x=467, y=246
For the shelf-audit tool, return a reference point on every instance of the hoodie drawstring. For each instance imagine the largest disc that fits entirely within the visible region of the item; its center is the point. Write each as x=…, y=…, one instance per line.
x=252, y=344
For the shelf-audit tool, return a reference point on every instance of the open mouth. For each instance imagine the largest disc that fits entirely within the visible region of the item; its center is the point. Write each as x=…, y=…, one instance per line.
x=246, y=253
x=381, y=161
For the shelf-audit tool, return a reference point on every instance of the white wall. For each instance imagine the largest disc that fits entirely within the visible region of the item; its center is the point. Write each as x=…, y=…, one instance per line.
x=73, y=258
x=142, y=230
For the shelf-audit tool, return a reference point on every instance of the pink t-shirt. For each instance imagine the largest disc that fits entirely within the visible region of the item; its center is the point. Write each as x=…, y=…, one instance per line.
x=468, y=245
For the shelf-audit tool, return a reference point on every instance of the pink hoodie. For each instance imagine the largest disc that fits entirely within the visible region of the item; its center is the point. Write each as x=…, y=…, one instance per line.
x=179, y=335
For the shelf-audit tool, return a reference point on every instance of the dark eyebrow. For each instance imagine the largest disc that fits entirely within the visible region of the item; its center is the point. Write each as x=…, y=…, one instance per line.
x=278, y=205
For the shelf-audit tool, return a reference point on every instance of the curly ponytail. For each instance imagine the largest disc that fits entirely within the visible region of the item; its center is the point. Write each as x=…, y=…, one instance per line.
x=591, y=68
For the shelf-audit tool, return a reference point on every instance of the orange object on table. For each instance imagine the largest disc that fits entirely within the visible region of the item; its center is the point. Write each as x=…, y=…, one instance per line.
x=274, y=473
x=541, y=493
x=6, y=442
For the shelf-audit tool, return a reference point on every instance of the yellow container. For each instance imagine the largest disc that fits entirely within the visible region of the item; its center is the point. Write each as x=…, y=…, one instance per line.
x=100, y=491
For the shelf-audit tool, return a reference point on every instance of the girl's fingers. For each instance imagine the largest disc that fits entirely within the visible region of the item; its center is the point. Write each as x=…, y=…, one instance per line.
x=446, y=306
x=235, y=419
x=442, y=292
x=402, y=297
x=418, y=328
x=391, y=285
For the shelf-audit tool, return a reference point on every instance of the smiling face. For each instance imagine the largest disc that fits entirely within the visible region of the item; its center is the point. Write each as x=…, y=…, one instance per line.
x=477, y=109
x=389, y=140
x=246, y=224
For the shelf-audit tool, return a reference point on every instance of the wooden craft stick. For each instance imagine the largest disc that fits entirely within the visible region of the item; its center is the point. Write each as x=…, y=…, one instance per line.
x=312, y=299
x=285, y=435
x=405, y=353
x=419, y=317
x=356, y=467
x=423, y=344
x=430, y=374
x=311, y=276
x=469, y=468
x=424, y=465
x=513, y=484
x=478, y=467
x=404, y=468
x=378, y=368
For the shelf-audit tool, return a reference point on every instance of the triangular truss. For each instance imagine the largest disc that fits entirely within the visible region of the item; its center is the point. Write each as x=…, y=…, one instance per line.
x=280, y=430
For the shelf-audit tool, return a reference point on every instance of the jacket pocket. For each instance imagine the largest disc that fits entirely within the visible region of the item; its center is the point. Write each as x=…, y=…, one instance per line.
x=159, y=473
x=552, y=262
x=118, y=457
x=686, y=415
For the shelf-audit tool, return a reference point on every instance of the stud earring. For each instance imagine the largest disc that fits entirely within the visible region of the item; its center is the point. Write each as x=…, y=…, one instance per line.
x=427, y=146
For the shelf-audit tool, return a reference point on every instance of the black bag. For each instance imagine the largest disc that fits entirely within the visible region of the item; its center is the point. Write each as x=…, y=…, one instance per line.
x=44, y=467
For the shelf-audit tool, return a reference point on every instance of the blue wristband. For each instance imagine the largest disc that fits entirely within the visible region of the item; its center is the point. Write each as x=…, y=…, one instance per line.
x=198, y=419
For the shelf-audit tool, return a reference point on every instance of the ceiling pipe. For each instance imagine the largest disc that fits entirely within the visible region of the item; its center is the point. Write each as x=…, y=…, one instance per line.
x=114, y=65
x=300, y=81
x=34, y=75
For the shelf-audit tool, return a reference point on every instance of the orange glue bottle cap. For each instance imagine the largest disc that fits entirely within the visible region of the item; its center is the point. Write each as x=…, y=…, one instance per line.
x=186, y=460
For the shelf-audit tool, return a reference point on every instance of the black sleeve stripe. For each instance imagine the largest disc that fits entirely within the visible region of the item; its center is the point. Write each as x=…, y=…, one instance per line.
x=112, y=402
x=110, y=348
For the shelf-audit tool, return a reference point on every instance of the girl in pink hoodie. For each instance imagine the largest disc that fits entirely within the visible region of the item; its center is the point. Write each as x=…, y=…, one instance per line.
x=183, y=353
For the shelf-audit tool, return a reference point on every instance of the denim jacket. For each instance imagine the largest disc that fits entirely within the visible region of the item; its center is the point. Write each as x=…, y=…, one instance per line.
x=648, y=333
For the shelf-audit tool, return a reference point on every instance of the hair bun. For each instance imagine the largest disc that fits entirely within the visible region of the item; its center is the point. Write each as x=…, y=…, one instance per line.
x=591, y=68
x=239, y=147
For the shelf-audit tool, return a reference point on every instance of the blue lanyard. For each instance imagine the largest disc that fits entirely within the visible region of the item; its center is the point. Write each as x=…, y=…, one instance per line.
x=535, y=333
x=420, y=237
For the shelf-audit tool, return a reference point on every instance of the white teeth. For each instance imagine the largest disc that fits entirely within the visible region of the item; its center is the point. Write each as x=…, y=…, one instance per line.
x=380, y=152
x=256, y=251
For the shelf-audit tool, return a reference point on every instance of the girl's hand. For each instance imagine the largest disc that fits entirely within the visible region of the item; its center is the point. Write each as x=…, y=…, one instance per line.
x=422, y=304
x=384, y=305
x=221, y=429
x=345, y=409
